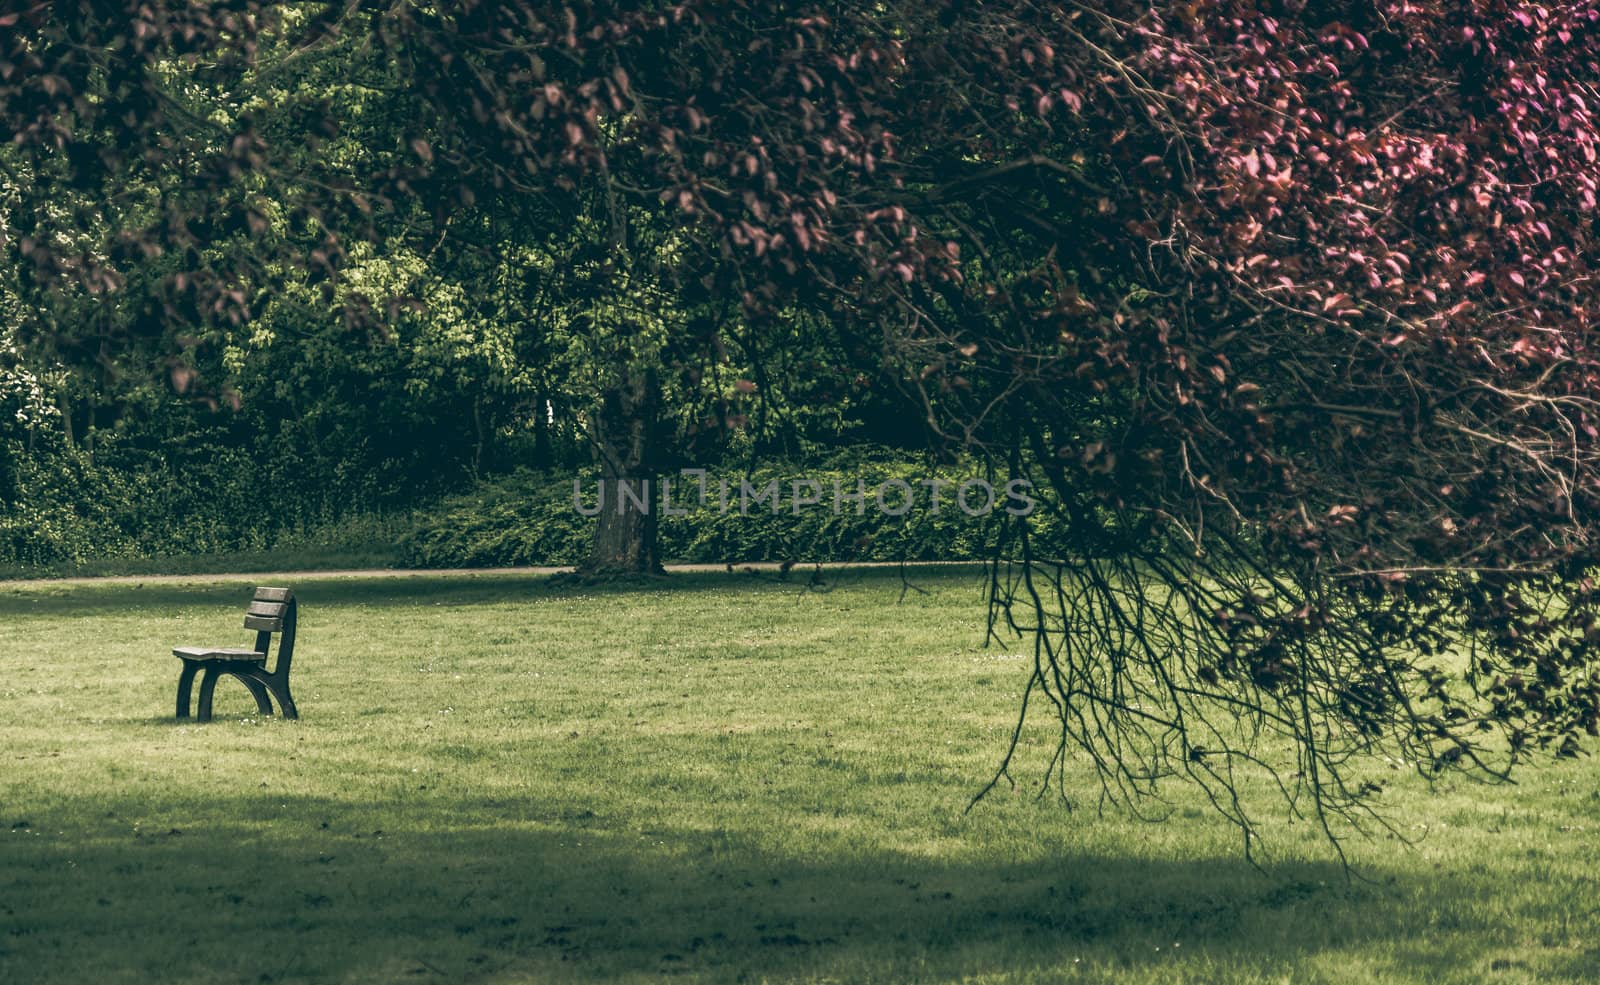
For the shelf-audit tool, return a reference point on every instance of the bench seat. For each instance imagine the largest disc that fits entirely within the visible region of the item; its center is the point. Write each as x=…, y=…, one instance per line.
x=243, y=654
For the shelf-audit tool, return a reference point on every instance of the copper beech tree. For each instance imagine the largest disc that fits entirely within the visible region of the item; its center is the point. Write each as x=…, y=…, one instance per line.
x=1285, y=306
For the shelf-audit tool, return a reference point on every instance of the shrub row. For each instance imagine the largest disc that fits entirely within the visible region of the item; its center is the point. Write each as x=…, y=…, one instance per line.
x=533, y=518
x=60, y=507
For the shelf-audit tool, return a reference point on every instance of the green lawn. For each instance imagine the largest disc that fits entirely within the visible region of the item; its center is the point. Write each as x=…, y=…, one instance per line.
x=718, y=778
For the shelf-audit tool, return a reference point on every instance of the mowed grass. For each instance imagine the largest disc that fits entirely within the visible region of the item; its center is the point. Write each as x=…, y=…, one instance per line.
x=714, y=778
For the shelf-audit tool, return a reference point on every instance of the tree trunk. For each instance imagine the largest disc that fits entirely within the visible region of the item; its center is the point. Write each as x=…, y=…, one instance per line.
x=65, y=406
x=625, y=430
x=479, y=439
x=543, y=457
x=88, y=430
x=625, y=536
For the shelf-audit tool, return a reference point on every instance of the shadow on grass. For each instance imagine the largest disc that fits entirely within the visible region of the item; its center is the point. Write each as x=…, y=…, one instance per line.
x=264, y=889
x=44, y=599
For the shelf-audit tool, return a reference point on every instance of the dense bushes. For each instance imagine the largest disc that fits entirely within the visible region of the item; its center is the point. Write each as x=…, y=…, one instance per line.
x=311, y=431
x=531, y=518
x=201, y=496
x=67, y=507
x=206, y=492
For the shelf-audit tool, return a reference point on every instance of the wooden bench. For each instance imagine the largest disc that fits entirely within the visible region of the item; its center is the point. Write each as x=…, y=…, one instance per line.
x=271, y=611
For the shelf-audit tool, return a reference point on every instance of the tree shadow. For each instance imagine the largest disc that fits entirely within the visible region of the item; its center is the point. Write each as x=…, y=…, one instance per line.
x=264, y=888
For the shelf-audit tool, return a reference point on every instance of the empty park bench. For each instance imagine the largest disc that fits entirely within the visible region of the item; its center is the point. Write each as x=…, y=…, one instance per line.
x=272, y=610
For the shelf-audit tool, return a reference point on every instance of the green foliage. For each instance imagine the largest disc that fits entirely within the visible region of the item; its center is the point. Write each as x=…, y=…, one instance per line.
x=146, y=495
x=100, y=467
x=520, y=519
x=130, y=502
x=530, y=518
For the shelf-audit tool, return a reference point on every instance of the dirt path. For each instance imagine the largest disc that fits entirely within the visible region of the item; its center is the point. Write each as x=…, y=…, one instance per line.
x=271, y=576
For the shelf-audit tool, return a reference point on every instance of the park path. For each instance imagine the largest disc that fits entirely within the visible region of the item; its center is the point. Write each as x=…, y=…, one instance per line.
x=270, y=576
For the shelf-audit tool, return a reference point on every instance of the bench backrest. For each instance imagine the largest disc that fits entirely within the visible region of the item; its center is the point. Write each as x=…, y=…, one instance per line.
x=267, y=609
x=272, y=610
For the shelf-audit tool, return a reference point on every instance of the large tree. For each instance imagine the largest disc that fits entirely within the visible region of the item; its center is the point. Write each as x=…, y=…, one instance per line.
x=1285, y=306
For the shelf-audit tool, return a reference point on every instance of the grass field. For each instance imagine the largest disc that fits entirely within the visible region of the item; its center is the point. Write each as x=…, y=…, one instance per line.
x=718, y=778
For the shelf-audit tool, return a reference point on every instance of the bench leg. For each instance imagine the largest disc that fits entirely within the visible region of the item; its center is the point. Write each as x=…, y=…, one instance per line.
x=256, y=686
x=208, y=684
x=280, y=690
x=259, y=692
x=186, y=686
